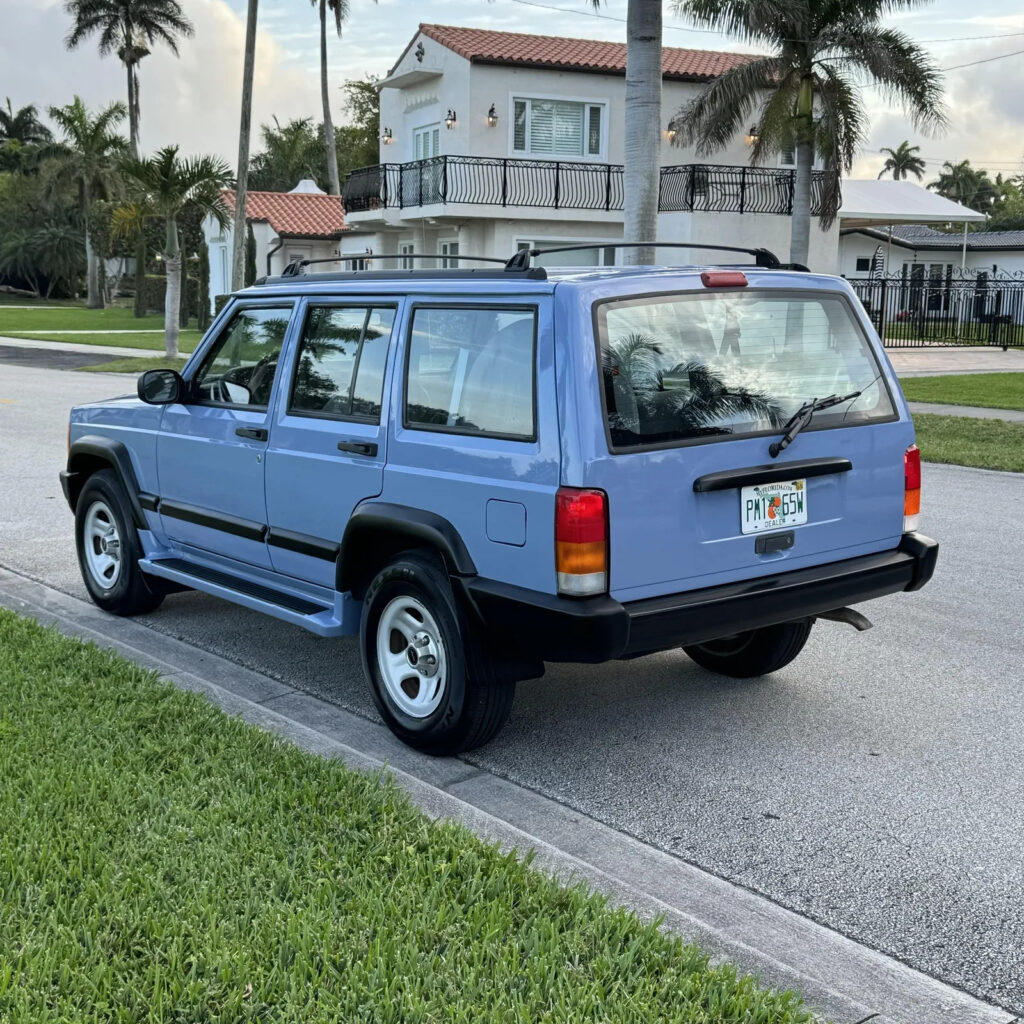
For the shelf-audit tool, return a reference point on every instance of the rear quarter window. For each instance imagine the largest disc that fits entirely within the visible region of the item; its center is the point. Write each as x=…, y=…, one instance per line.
x=687, y=367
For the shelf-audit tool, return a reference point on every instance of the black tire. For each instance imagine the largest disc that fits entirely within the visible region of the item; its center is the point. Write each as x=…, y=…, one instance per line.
x=128, y=591
x=472, y=700
x=755, y=653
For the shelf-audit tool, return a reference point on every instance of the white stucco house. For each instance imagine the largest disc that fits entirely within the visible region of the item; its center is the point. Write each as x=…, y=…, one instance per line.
x=304, y=223
x=493, y=141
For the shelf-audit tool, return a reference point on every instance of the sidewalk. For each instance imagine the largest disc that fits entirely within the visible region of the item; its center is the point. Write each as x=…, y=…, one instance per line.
x=971, y=411
x=927, y=362
x=72, y=346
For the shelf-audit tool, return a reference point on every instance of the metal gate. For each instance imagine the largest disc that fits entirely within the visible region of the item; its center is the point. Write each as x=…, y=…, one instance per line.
x=914, y=310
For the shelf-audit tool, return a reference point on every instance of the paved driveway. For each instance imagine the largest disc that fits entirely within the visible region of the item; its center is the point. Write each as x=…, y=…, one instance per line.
x=876, y=784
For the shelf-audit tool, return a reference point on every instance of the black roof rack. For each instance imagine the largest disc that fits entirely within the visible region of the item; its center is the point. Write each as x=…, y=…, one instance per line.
x=763, y=257
x=295, y=268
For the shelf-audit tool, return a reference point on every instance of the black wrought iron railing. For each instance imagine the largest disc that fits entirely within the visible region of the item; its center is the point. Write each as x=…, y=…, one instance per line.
x=567, y=185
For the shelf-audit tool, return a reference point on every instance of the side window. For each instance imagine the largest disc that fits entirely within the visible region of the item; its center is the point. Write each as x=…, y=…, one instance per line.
x=340, y=368
x=471, y=371
x=239, y=369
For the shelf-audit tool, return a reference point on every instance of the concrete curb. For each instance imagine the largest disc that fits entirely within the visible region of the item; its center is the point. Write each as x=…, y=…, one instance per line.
x=838, y=977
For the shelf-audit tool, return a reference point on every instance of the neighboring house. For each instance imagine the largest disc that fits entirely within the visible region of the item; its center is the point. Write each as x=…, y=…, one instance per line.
x=493, y=141
x=304, y=223
x=918, y=250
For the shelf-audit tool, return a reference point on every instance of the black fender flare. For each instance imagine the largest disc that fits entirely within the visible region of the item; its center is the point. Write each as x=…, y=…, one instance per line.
x=85, y=453
x=396, y=525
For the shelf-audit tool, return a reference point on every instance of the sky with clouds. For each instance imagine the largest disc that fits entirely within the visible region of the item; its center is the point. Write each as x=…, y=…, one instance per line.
x=193, y=99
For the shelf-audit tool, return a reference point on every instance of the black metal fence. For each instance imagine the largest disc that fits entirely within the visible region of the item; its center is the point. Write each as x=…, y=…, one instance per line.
x=975, y=308
x=567, y=185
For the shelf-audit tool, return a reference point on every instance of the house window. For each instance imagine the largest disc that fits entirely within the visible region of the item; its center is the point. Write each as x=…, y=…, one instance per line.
x=863, y=265
x=426, y=142
x=449, y=249
x=596, y=257
x=407, y=248
x=557, y=128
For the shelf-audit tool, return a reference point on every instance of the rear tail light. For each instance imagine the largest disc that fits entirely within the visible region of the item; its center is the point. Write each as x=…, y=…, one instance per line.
x=581, y=541
x=911, y=488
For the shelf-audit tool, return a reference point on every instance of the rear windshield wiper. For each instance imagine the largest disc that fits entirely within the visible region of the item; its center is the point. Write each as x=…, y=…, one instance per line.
x=803, y=416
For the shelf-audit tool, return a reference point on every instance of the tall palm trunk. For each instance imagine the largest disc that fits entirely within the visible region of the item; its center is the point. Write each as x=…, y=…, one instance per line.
x=244, y=130
x=139, y=304
x=133, y=107
x=642, y=168
x=800, y=228
x=172, y=295
x=332, y=151
x=94, y=300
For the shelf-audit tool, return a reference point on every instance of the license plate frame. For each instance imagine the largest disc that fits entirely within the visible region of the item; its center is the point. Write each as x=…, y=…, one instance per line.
x=775, y=506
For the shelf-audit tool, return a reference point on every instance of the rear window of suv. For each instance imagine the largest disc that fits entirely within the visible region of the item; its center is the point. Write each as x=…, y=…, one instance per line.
x=682, y=368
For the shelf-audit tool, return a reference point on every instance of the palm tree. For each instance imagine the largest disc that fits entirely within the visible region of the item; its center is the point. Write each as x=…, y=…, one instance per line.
x=23, y=126
x=805, y=91
x=244, y=133
x=128, y=28
x=641, y=179
x=903, y=161
x=965, y=184
x=166, y=186
x=88, y=161
x=339, y=8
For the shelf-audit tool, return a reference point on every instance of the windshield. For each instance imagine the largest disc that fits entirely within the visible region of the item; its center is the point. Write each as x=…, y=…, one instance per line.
x=679, y=368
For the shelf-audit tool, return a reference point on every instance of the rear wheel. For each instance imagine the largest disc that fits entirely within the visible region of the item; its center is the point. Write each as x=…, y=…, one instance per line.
x=429, y=675
x=754, y=653
x=109, y=548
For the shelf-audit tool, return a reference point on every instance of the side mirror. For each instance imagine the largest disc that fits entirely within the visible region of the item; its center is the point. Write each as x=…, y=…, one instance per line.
x=161, y=387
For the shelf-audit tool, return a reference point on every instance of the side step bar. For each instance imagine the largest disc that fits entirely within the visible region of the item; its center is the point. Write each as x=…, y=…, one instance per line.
x=319, y=618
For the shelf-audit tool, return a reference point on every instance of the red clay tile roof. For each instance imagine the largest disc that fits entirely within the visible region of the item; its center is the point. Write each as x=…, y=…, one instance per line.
x=295, y=214
x=482, y=46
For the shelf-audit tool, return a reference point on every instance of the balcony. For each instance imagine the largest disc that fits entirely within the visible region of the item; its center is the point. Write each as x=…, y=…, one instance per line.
x=567, y=185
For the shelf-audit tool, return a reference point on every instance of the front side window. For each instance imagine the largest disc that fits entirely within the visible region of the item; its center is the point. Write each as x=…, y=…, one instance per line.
x=340, y=368
x=556, y=128
x=470, y=371
x=680, y=368
x=239, y=369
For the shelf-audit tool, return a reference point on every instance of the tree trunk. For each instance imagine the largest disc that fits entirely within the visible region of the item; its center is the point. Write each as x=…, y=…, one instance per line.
x=332, y=150
x=172, y=295
x=244, y=128
x=133, y=109
x=139, y=303
x=93, y=299
x=642, y=167
x=800, y=229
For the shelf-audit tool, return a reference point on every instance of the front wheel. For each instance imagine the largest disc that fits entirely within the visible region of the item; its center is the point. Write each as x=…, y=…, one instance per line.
x=429, y=676
x=754, y=653
x=109, y=549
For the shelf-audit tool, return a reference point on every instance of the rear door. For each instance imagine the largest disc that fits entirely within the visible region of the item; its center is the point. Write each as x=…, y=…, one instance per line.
x=328, y=446
x=695, y=384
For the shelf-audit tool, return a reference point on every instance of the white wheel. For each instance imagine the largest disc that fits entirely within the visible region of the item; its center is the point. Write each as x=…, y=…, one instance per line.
x=102, y=545
x=411, y=656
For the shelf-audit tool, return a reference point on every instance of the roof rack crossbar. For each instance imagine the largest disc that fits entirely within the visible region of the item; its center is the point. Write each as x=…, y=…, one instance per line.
x=763, y=257
x=295, y=268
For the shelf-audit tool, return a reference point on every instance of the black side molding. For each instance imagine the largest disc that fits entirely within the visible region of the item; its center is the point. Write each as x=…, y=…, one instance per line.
x=378, y=528
x=303, y=544
x=91, y=449
x=770, y=474
x=215, y=520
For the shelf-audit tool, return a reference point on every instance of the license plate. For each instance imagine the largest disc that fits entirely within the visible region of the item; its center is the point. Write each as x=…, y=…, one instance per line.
x=773, y=506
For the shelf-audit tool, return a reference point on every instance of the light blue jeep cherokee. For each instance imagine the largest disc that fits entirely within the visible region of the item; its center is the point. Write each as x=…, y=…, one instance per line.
x=478, y=471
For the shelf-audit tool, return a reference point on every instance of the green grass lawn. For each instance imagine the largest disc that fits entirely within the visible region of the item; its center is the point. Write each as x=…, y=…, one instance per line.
x=160, y=861
x=992, y=390
x=153, y=340
x=965, y=441
x=135, y=365
x=77, y=318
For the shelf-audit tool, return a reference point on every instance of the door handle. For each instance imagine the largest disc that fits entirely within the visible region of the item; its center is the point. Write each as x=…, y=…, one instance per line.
x=252, y=433
x=358, y=447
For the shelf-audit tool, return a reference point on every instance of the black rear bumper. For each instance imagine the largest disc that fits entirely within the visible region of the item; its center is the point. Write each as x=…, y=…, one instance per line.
x=551, y=628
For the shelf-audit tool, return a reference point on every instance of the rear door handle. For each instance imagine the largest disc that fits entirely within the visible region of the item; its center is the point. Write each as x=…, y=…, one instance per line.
x=358, y=447
x=252, y=433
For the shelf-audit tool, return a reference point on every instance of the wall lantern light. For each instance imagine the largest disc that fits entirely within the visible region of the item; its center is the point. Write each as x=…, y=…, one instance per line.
x=451, y=120
x=753, y=135
x=670, y=132
x=386, y=137
x=492, y=117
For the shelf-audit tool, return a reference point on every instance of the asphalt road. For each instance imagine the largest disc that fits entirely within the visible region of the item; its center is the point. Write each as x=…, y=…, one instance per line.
x=876, y=784
x=55, y=359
